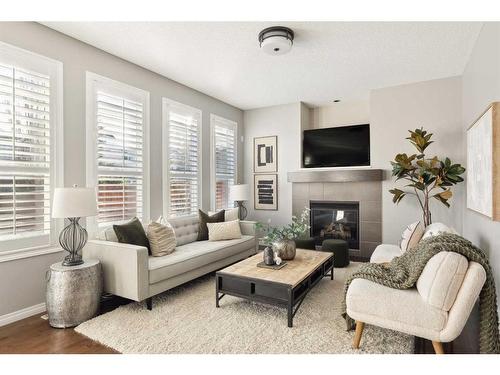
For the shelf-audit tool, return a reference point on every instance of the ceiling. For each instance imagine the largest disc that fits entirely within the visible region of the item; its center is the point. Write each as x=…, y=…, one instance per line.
x=329, y=60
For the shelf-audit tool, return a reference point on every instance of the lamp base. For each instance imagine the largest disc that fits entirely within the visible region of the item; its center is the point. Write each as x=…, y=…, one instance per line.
x=72, y=239
x=242, y=212
x=70, y=261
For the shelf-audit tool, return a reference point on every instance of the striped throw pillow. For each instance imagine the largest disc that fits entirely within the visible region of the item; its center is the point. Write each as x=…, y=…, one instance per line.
x=411, y=236
x=161, y=239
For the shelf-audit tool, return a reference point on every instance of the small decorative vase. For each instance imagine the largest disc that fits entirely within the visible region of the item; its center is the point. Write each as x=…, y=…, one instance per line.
x=268, y=256
x=285, y=249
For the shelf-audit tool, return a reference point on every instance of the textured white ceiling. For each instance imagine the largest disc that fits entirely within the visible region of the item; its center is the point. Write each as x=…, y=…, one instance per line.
x=328, y=60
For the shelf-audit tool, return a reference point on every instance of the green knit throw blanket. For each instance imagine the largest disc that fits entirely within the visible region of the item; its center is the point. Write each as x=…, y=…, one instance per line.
x=403, y=272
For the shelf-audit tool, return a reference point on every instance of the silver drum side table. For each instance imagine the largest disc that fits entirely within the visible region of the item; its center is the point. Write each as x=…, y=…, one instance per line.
x=73, y=293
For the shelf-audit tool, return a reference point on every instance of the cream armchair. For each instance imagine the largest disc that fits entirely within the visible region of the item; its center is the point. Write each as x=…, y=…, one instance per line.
x=436, y=309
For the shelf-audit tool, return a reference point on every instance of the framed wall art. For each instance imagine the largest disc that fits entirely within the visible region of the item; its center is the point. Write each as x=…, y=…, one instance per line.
x=483, y=163
x=266, y=192
x=265, y=154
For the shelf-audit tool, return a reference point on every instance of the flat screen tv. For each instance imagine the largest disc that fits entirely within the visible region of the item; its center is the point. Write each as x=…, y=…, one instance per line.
x=344, y=146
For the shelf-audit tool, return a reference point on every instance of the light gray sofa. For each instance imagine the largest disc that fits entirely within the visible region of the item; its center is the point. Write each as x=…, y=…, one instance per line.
x=130, y=273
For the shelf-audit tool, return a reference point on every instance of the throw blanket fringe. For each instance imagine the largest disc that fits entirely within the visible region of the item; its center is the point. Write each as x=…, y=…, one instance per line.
x=403, y=272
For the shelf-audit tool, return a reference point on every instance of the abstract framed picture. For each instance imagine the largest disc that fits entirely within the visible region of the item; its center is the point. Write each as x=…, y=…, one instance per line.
x=265, y=154
x=266, y=192
x=483, y=165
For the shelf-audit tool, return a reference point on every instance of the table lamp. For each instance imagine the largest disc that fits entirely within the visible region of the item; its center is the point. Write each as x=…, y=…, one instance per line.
x=239, y=194
x=72, y=204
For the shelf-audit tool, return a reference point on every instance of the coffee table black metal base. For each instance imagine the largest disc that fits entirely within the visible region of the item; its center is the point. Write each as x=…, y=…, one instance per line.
x=270, y=292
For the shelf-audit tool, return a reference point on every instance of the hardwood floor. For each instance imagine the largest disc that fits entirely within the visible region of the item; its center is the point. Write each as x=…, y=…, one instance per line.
x=34, y=335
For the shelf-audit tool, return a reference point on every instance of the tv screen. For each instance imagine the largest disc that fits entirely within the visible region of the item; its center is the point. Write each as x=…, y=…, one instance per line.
x=345, y=146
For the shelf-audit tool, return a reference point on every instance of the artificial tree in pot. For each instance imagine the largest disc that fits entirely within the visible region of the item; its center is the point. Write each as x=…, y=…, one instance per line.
x=282, y=238
x=428, y=178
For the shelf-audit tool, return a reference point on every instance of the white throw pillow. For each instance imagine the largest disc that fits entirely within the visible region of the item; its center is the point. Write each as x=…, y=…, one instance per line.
x=230, y=214
x=411, y=236
x=436, y=229
x=227, y=230
x=161, y=238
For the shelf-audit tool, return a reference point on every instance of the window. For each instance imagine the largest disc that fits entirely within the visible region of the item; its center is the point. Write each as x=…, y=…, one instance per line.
x=224, y=160
x=182, y=159
x=30, y=129
x=117, y=141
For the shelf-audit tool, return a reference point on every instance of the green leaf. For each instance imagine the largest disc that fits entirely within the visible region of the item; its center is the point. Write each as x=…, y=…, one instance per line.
x=398, y=195
x=442, y=200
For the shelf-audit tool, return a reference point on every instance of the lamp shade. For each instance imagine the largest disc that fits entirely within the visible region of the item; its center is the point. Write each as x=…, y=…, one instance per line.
x=74, y=202
x=239, y=192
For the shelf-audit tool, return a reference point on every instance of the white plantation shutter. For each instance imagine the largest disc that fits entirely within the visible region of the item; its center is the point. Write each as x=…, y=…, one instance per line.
x=119, y=158
x=24, y=152
x=27, y=133
x=183, y=151
x=119, y=128
x=224, y=160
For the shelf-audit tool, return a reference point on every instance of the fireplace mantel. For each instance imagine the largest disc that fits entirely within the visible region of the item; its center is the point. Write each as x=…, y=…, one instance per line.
x=336, y=175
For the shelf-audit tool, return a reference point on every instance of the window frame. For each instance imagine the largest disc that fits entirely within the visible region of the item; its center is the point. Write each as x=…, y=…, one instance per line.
x=95, y=82
x=167, y=104
x=18, y=248
x=217, y=120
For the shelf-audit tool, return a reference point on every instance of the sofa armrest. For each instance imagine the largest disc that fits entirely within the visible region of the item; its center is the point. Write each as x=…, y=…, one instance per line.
x=248, y=227
x=124, y=266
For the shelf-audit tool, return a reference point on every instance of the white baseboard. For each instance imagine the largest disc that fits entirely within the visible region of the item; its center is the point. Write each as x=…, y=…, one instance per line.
x=21, y=314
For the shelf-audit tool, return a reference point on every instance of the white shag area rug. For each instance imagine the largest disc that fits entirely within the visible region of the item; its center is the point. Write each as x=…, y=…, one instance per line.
x=185, y=320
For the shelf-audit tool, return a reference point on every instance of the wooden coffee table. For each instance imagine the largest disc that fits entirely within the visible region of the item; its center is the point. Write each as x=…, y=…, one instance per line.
x=286, y=287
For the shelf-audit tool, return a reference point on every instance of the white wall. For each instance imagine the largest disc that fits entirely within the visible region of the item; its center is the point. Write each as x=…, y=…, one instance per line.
x=285, y=122
x=481, y=86
x=341, y=114
x=22, y=281
x=435, y=105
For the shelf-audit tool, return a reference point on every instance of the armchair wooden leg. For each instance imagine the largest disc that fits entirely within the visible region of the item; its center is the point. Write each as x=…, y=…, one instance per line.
x=357, y=335
x=438, y=347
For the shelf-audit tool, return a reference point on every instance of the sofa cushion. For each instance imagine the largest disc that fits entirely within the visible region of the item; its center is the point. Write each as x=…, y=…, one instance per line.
x=185, y=228
x=435, y=229
x=381, y=304
x=442, y=278
x=194, y=255
x=227, y=230
x=108, y=233
x=411, y=236
x=132, y=233
x=230, y=214
x=384, y=253
x=161, y=238
x=204, y=219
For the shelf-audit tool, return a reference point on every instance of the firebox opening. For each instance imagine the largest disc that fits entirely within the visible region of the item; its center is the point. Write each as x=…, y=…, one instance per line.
x=335, y=220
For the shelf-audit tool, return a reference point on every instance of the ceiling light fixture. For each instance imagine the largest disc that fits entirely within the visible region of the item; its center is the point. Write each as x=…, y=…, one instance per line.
x=276, y=40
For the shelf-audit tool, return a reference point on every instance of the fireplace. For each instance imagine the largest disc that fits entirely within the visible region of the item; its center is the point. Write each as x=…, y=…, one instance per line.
x=335, y=220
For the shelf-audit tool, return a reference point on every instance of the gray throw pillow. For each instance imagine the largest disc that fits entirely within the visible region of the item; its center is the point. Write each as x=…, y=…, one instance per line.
x=132, y=233
x=204, y=219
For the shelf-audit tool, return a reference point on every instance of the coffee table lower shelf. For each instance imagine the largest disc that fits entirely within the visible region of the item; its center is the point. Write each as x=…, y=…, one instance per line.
x=271, y=292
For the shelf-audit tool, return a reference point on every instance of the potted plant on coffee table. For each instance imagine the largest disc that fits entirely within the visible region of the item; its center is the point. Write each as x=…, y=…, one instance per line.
x=282, y=238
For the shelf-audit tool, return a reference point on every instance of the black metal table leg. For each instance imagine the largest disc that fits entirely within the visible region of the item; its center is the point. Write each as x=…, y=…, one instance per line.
x=217, y=291
x=290, y=308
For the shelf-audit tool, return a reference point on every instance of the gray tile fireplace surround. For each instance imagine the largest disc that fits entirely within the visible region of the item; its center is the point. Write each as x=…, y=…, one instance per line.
x=367, y=193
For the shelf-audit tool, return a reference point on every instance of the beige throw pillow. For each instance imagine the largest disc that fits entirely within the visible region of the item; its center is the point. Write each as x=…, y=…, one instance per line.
x=226, y=230
x=161, y=239
x=411, y=236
